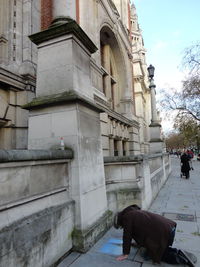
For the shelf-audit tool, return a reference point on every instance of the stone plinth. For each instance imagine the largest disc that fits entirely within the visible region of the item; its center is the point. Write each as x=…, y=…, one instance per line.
x=156, y=143
x=63, y=60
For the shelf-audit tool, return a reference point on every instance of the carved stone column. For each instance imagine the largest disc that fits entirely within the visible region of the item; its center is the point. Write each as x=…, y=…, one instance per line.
x=62, y=9
x=154, y=118
x=156, y=143
x=119, y=148
x=106, y=65
x=111, y=146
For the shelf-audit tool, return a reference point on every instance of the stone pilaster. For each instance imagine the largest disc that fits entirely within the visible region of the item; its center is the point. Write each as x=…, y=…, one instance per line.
x=156, y=143
x=4, y=28
x=134, y=141
x=64, y=107
x=119, y=148
x=27, y=67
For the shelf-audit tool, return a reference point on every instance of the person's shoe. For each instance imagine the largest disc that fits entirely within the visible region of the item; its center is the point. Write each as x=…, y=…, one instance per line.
x=186, y=257
x=191, y=256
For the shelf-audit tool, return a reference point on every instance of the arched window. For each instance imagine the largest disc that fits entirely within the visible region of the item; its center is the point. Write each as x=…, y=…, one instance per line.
x=113, y=64
x=111, y=78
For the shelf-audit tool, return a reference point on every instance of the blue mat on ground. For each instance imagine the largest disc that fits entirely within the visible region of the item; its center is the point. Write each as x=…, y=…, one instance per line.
x=112, y=247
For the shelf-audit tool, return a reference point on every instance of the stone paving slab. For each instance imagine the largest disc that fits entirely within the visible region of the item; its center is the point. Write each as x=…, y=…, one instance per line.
x=148, y=264
x=99, y=260
x=187, y=227
x=188, y=242
x=181, y=206
x=111, y=244
x=69, y=259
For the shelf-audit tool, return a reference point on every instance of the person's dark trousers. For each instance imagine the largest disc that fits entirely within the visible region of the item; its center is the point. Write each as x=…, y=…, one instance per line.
x=177, y=256
x=171, y=254
x=174, y=255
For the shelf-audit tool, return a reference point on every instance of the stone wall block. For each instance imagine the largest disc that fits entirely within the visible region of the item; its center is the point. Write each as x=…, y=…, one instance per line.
x=32, y=240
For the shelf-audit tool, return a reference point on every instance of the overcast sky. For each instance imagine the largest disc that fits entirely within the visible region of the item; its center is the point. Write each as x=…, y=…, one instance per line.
x=168, y=27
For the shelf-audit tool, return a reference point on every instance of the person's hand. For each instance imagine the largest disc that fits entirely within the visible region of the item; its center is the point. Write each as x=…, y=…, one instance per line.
x=122, y=257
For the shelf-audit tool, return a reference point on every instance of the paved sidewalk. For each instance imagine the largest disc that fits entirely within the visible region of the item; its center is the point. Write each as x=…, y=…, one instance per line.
x=179, y=200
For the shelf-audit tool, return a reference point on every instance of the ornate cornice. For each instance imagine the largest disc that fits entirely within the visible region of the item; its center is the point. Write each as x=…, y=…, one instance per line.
x=113, y=114
x=15, y=80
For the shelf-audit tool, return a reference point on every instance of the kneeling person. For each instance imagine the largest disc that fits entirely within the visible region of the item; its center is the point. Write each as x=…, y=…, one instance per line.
x=151, y=231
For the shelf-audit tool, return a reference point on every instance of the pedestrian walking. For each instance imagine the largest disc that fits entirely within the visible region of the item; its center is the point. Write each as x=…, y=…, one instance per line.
x=153, y=232
x=185, y=165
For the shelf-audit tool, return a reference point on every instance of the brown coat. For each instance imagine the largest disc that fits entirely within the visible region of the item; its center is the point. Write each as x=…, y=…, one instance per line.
x=149, y=230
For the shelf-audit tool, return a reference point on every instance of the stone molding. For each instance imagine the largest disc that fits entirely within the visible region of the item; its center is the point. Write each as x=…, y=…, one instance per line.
x=155, y=124
x=28, y=155
x=156, y=140
x=123, y=159
x=3, y=39
x=3, y=122
x=114, y=8
x=101, y=101
x=62, y=98
x=115, y=115
x=15, y=80
x=133, y=158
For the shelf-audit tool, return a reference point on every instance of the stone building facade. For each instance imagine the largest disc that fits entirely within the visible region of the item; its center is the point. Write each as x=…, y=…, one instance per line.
x=72, y=71
x=18, y=57
x=118, y=69
x=141, y=83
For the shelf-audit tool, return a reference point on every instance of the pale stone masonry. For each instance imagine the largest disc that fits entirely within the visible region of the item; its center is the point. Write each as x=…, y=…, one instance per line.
x=74, y=92
x=118, y=69
x=140, y=79
x=18, y=57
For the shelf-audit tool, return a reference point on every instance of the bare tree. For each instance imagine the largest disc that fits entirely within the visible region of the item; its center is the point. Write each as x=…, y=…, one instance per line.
x=187, y=101
x=191, y=58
